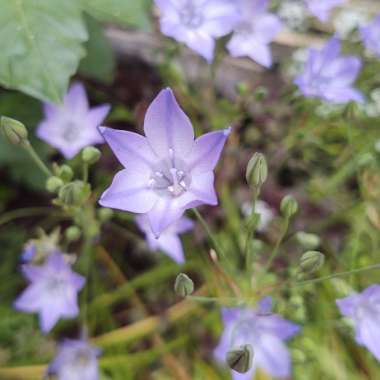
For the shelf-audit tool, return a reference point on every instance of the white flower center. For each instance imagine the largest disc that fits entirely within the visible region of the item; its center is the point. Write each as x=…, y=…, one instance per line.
x=170, y=177
x=70, y=131
x=191, y=16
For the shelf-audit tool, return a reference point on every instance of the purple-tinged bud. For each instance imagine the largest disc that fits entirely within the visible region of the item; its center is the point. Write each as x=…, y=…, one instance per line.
x=184, y=285
x=311, y=261
x=13, y=130
x=289, y=206
x=240, y=358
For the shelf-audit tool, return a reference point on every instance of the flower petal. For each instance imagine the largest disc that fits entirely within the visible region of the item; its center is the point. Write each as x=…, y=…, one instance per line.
x=76, y=98
x=129, y=191
x=172, y=246
x=167, y=127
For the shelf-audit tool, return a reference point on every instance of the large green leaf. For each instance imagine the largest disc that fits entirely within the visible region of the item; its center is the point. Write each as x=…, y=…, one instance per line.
x=41, y=45
x=123, y=12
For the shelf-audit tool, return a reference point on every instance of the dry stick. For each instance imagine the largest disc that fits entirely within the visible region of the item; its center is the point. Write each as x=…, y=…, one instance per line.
x=177, y=370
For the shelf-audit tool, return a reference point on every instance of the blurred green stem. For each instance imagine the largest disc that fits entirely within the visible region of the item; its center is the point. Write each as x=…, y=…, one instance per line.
x=252, y=225
x=23, y=213
x=85, y=172
x=36, y=158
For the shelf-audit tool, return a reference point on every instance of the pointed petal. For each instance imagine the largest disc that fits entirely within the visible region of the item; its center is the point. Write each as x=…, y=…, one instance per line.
x=167, y=127
x=201, y=191
x=347, y=305
x=130, y=191
x=28, y=301
x=48, y=318
x=172, y=246
x=183, y=225
x=129, y=147
x=207, y=150
x=76, y=99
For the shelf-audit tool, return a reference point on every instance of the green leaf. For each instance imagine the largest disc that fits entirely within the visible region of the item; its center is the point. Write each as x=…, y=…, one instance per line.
x=122, y=12
x=41, y=45
x=99, y=62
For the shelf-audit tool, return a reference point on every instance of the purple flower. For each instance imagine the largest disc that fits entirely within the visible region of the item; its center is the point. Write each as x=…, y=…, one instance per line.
x=73, y=125
x=52, y=292
x=329, y=76
x=254, y=32
x=266, y=333
x=29, y=251
x=322, y=8
x=169, y=241
x=197, y=23
x=75, y=360
x=371, y=36
x=364, y=309
x=165, y=172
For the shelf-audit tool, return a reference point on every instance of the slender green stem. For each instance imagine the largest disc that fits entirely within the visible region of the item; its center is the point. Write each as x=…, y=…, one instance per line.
x=36, y=158
x=277, y=246
x=85, y=172
x=250, y=234
x=23, y=213
x=210, y=235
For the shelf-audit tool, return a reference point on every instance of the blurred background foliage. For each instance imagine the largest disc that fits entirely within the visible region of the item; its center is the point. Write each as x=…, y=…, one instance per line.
x=328, y=158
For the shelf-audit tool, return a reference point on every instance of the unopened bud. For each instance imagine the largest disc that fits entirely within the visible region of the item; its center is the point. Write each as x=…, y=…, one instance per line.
x=13, y=130
x=53, y=184
x=289, y=206
x=308, y=241
x=105, y=214
x=90, y=155
x=65, y=173
x=74, y=193
x=184, y=285
x=257, y=170
x=73, y=233
x=240, y=358
x=311, y=261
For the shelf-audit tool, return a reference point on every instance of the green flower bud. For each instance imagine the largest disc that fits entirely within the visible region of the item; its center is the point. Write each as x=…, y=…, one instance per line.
x=289, y=206
x=311, y=261
x=105, y=214
x=73, y=233
x=308, y=241
x=257, y=171
x=13, y=130
x=53, y=184
x=90, y=155
x=65, y=173
x=74, y=193
x=240, y=358
x=184, y=285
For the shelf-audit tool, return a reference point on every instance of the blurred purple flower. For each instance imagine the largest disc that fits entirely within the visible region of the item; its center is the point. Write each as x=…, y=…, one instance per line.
x=52, y=291
x=29, y=251
x=73, y=125
x=75, y=360
x=329, y=76
x=364, y=309
x=371, y=35
x=266, y=333
x=254, y=32
x=169, y=241
x=197, y=23
x=166, y=172
x=322, y=8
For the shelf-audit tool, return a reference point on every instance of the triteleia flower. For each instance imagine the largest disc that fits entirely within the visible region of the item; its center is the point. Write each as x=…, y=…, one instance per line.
x=169, y=242
x=264, y=331
x=75, y=360
x=197, y=23
x=52, y=292
x=371, y=36
x=165, y=172
x=329, y=76
x=364, y=309
x=73, y=125
x=254, y=32
x=322, y=8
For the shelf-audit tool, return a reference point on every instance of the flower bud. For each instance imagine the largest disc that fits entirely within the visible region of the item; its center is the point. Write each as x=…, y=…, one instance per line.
x=90, y=155
x=184, y=285
x=105, y=214
x=308, y=241
x=13, y=130
x=240, y=358
x=289, y=206
x=53, y=184
x=65, y=173
x=73, y=233
x=311, y=261
x=74, y=193
x=257, y=170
